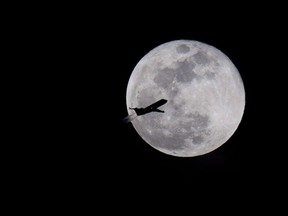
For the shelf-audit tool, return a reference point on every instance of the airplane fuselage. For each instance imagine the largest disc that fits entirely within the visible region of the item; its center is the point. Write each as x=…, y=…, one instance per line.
x=151, y=108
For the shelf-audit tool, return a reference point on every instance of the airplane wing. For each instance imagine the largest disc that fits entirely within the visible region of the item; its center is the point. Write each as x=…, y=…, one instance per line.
x=157, y=104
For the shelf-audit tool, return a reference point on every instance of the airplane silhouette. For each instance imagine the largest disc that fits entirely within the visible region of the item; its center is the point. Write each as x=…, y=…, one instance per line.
x=151, y=108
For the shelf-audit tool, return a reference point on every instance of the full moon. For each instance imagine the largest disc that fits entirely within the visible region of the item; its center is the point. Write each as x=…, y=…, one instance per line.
x=204, y=92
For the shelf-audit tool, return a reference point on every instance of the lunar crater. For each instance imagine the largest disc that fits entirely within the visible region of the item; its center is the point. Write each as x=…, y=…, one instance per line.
x=201, y=58
x=183, y=48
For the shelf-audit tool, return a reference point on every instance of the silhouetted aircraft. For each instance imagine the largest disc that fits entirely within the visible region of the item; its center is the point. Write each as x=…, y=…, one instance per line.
x=152, y=108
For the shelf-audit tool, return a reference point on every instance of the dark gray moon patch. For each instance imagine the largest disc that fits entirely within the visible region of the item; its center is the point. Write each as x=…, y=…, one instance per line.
x=182, y=48
x=183, y=130
x=209, y=75
x=199, y=121
x=201, y=58
x=197, y=140
x=164, y=78
x=167, y=142
x=185, y=73
x=199, y=127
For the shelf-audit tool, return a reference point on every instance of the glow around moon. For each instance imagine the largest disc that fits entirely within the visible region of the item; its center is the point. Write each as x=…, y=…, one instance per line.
x=205, y=93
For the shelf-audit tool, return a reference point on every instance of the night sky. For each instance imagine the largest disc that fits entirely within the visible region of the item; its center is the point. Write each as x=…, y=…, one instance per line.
x=248, y=147
x=105, y=56
x=106, y=150
x=85, y=146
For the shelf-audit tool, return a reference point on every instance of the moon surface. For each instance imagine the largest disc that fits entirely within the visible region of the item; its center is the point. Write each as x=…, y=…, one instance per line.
x=205, y=93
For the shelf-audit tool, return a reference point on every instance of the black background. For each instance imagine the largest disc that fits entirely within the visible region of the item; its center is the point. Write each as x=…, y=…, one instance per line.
x=250, y=42
x=81, y=60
